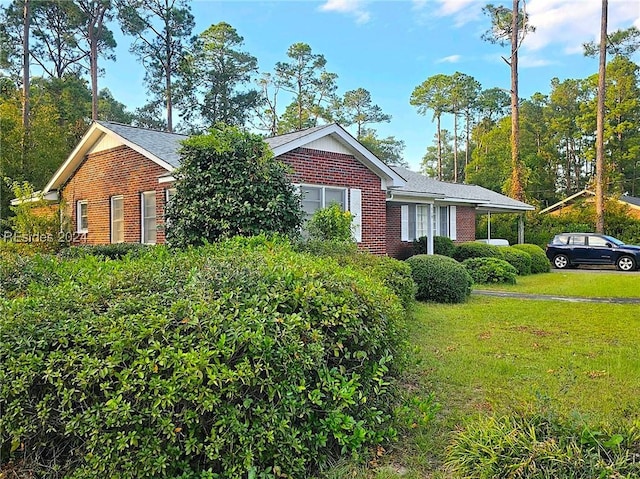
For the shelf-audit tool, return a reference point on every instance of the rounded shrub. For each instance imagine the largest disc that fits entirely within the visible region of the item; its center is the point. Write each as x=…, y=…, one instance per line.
x=539, y=261
x=440, y=279
x=490, y=270
x=519, y=259
x=474, y=249
x=443, y=246
x=230, y=360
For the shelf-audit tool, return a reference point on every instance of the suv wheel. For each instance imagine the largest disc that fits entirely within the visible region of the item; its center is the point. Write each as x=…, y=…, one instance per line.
x=561, y=261
x=626, y=263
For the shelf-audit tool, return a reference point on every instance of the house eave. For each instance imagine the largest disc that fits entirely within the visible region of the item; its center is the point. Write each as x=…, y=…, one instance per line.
x=49, y=197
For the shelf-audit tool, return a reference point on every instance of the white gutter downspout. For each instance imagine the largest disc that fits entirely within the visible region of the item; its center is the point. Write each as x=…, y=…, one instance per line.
x=488, y=224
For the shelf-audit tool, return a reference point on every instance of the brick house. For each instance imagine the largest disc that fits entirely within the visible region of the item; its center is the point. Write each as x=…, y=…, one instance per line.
x=117, y=180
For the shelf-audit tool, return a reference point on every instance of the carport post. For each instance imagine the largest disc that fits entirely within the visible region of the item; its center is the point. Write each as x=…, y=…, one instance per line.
x=488, y=224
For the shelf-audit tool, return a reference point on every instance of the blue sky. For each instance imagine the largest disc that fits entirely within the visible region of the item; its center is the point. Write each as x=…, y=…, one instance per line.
x=390, y=47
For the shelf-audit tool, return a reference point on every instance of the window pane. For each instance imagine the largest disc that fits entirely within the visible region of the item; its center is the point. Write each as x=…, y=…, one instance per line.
x=422, y=220
x=334, y=195
x=149, y=217
x=311, y=199
x=83, y=218
x=444, y=221
x=597, y=241
x=117, y=219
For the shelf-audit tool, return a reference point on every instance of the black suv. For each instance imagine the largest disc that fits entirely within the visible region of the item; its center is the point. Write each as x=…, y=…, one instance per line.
x=568, y=250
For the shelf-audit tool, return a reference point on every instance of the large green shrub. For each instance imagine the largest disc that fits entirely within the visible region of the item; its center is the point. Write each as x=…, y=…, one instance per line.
x=474, y=249
x=443, y=246
x=536, y=446
x=110, y=251
x=490, y=270
x=242, y=359
x=440, y=279
x=229, y=184
x=539, y=261
x=519, y=259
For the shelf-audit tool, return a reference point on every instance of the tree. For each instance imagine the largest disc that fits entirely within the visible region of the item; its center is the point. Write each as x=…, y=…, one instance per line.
x=161, y=29
x=357, y=109
x=433, y=94
x=492, y=104
x=429, y=164
x=266, y=109
x=110, y=109
x=213, y=73
x=463, y=95
x=619, y=43
x=511, y=26
x=386, y=149
x=99, y=41
x=311, y=85
x=232, y=181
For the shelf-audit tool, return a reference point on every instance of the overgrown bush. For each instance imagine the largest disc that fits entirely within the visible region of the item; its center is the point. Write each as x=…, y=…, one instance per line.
x=519, y=259
x=420, y=245
x=230, y=184
x=474, y=249
x=443, y=246
x=539, y=261
x=241, y=359
x=19, y=271
x=111, y=251
x=330, y=224
x=490, y=270
x=542, y=446
x=440, y=279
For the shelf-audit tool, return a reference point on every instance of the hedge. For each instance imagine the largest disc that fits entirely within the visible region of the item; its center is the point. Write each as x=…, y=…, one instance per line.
x=440, y=279
x=490, y=270
x=539, y=261
x=475, y=249
x=519, y=259
x=231, y=360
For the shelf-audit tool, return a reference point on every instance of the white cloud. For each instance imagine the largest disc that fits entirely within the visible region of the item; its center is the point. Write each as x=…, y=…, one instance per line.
x=531, y=61
x=449, y=59
x=463, y=11
x=351, y=7
x=570, y=23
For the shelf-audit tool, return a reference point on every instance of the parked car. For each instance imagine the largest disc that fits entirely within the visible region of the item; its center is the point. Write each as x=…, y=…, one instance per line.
x=568, y=250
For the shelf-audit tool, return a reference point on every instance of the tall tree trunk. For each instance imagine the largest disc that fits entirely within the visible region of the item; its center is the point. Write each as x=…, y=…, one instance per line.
x=439, y=141
x=455, y=147
x=93, y=67
x=517, y=191
x=600, y=120
x=466, y=143
x=26, y=82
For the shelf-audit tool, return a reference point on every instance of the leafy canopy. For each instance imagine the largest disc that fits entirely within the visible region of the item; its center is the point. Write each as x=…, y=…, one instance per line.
x=229, y=184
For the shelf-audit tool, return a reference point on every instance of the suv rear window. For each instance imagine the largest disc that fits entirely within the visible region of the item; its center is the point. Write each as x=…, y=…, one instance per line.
x=561, y=239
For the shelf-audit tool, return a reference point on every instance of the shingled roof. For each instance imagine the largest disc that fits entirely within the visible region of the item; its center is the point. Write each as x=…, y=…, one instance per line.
x=420, y=186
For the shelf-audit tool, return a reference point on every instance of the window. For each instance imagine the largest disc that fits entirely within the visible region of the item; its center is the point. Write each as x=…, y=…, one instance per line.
x=422, y=220
x=169, y=193
x=117, y=219
x=598, y=241
x=82, y=218
x=316, y=197
x=148, y=216
x=577, y=240
x=443, y=225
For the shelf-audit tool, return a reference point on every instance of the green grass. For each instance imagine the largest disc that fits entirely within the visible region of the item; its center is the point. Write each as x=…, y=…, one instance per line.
x=496, y=356
x=592, y=284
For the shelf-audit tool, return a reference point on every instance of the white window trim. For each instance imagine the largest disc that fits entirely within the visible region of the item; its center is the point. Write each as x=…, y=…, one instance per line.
x=116, y=197
x=79, y=205
x=142, y=218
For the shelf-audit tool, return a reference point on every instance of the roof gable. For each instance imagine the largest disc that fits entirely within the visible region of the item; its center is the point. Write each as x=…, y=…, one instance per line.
x=160, y=147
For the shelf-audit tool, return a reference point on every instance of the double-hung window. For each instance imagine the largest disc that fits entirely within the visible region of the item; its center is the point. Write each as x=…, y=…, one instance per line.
x=82, y=216
x=148, y=217
x=349, y=199
x=117, y=219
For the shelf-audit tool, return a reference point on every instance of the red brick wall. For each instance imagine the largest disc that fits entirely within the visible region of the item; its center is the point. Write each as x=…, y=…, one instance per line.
x=396, y=248
x=465, y=224
x=337, y=169
x=118, y=171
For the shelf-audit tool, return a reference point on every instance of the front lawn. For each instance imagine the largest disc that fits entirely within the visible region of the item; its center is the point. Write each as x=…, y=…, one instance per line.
x=497, y=357
x=600, y=284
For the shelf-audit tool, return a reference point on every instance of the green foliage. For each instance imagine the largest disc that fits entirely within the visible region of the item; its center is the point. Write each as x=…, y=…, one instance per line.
x=229, y=184
x=443, y=246
x=330, y=224
x=440, y=279
x=519, y=259
x=541, y=446
x=475, y=249
x=107, y=251
x=240, y=359
x=420, y=245
x=539, y=261
x=490, y=270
